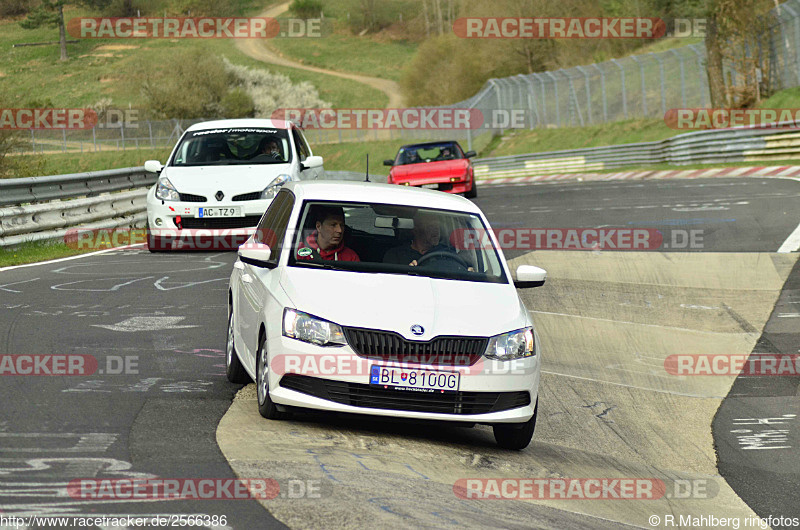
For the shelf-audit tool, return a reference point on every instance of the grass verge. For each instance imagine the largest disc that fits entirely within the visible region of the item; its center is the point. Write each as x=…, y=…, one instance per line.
x=37, y=251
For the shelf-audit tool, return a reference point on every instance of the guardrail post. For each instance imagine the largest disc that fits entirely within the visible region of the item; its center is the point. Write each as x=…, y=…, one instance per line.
x=624, y=97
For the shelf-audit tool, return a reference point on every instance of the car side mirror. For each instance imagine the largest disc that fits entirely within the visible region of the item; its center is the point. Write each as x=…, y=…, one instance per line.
x=470, y=154
x=153, y=166
x=388, y=162
x=529, y=276
x=256, y=254
x=311, y=162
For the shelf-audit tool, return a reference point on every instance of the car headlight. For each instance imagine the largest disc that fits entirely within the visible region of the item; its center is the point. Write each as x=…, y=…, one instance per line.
x=306, y=328
x=271, y=190
x=166, y=191
x=513, y=345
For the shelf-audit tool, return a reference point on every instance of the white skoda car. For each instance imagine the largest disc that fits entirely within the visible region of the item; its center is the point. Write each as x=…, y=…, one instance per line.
x=221, y=177
x=384, y=300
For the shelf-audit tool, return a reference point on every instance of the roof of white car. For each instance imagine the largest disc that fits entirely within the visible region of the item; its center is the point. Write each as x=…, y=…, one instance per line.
x=245, y=122
x=371, y=192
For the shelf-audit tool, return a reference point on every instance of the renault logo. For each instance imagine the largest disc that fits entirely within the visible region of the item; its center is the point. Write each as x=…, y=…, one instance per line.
x=220, y=195
x=416, y=329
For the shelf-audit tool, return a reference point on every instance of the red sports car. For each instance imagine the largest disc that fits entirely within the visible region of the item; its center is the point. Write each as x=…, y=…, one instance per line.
x=442, y=166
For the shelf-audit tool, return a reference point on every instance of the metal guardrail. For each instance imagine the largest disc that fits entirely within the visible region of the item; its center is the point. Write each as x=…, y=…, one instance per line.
x=702, y=147
x=48, y=208
x=38, y=189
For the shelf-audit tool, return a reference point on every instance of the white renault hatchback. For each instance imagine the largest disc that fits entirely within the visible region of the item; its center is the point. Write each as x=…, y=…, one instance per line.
x=332, y=306
x=221, y=177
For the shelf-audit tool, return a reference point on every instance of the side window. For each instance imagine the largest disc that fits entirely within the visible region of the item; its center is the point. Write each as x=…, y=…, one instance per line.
x=300, y=144
x=272, y=228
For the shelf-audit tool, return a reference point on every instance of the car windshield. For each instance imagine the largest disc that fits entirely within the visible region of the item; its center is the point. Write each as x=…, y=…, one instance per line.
x=233, y=146
x=393, y=239
x=415, y=154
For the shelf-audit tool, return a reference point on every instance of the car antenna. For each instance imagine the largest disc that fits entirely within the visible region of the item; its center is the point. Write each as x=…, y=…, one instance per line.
x=367, y=174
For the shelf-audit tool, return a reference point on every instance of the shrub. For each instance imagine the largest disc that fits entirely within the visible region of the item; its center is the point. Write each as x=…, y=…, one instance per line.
x=306, y=8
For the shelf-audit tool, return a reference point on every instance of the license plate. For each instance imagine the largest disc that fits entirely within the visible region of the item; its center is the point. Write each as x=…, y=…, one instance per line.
x=219, y=212
x=414, y=379
x=431, y=186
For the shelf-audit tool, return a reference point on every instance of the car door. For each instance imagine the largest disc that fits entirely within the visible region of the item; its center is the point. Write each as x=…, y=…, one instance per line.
x=258, y=284
x=303, y=152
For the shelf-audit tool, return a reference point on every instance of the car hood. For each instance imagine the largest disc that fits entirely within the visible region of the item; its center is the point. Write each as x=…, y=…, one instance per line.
x=394, y=302
x=442, y=168
x=231, y=180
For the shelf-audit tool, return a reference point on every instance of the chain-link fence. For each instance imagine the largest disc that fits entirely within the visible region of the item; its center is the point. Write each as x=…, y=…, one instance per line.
x=639, y=86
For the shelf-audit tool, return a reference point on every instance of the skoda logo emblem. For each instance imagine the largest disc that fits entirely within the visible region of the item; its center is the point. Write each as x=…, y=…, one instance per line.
x=220, y=195
x=416, y=329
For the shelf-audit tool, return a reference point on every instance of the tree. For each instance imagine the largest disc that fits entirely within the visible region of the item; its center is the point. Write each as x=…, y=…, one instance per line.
x=737, y=36
x=50, y=12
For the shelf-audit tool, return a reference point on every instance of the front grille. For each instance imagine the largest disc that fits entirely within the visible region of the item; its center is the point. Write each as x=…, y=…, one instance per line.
x=247, y=197
x=388, y=346
x=188, y=197
x=213, y=223
x=377, y=397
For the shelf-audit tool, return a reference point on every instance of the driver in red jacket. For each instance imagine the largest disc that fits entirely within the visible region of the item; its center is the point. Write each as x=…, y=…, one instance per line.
x=327, y=241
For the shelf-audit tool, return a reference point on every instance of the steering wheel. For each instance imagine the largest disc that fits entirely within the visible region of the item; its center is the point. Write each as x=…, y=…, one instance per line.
x=445, y=255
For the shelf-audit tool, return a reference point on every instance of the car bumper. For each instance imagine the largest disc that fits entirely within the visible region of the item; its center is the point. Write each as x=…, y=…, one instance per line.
x=444, y=185
x=176, y=225
x=342, y=366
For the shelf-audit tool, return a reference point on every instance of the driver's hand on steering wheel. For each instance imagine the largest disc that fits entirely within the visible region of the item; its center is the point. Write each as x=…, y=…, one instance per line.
x=414, y=264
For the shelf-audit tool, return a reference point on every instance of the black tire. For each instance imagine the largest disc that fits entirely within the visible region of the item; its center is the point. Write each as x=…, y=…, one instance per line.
x=471, y=194
x=154, y=243
x=233, y=366
x=516, y=436
x=266, y=407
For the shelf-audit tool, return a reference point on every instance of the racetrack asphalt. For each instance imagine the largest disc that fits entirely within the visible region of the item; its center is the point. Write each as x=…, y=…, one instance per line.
x=166, y=315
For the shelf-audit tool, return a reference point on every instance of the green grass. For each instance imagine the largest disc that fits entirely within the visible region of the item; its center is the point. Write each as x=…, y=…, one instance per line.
x=36, y=251
x=785, y=99
x=106, y=68
x=349, y=53
x=542, y=140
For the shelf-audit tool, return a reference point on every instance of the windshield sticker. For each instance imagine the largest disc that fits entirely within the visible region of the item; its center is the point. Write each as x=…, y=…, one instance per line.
x=305, y=251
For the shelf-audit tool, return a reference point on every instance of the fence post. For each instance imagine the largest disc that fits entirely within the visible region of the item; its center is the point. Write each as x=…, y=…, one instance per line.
x=63, y=140
x=644, y=88
x=531, y=100
x=33, y=142
x=588, y=93
x=150, y=130
x=661, y=82
x=94, y=140
x=603, y=91
x=683, y=78
x=786, y=46
x=555, y=90
x=624, y=97
x=544, y=101
x=702, y=74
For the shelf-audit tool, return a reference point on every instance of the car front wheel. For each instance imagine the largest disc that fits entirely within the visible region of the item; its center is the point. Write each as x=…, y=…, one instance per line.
x=233, y=366
x=266, y=407
x=472, y=193
x=516, y=435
